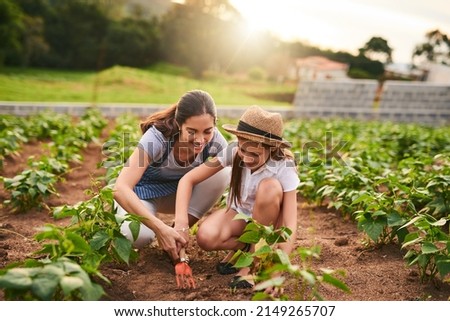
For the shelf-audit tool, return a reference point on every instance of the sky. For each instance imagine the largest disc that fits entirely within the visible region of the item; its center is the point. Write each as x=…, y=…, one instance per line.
x=348, y=24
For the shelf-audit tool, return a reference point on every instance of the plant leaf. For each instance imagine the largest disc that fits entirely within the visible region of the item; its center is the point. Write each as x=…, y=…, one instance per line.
x=70, y=283
x=244, y=260
x=123, y=248
x=44, y=286
x=443, y=267
x=18, y=278
x=250, y=237
x=99, y=240
x=330, y=279
x=428, y=247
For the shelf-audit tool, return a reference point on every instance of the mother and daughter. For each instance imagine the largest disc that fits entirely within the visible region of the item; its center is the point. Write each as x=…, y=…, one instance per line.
x=182, y=165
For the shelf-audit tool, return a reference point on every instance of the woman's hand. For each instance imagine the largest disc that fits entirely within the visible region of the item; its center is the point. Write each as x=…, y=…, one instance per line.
x=171, y=241
x=183, y=231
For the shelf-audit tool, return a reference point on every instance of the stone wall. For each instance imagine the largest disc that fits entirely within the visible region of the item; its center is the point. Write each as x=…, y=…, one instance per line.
x=416, y=102
x=114, y=110
x=335, y=98
x=363, y=99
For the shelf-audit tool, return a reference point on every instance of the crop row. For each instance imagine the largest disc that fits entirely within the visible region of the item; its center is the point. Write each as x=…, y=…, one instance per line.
x=74, y=253
x=393, y=180
x=66, y=139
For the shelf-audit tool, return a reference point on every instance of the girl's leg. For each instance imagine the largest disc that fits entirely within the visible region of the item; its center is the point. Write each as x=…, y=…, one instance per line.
x=220, y=232
x=269, y=201
x=266, y=211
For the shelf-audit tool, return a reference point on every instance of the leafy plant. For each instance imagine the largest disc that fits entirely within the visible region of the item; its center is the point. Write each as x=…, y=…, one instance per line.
x=269, y=263
x=62, y=279
x=95, y=222
x=10, y=141
x=29, y=188
x=428, y=246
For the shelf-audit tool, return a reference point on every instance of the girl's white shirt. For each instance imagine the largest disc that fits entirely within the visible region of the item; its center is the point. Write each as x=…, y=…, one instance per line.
x=283, y=170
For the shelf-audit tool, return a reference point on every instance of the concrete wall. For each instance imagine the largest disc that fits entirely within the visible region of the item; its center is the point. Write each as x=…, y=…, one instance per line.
x=398, y=101
x=335, y=98
x=114, y=110
x=416, y=102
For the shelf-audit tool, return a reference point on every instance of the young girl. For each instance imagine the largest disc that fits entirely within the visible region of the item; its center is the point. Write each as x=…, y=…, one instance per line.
x=263, y=186
x=174, y=141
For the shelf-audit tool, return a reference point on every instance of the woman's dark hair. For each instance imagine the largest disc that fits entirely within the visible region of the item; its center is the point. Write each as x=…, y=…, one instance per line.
x=192, y=103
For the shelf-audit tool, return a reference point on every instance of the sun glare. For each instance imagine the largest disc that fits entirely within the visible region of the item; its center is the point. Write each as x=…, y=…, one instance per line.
x=286, y=20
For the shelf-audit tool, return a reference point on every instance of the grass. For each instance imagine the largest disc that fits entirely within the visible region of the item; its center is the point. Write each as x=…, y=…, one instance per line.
x=161, y=84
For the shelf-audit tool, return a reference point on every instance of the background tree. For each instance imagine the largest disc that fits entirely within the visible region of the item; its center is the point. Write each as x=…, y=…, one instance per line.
x=192, y=32
x=377, y=48
x=35, y=47
x=10, y=30
x=202, y=35
x=131, y=42
x=435, y=49
x=34, y=44
x=75, y=32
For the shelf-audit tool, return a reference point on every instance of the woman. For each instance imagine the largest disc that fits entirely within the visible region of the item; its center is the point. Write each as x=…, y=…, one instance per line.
x=174, y=141
x=263, y=186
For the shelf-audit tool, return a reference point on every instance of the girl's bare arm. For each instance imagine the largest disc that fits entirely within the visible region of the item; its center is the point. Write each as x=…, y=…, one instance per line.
x=185, y=186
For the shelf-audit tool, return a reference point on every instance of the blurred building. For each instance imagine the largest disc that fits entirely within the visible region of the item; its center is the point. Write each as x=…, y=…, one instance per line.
x=401, y=71
x=428, y=72
x=318, y=68
x=437, y=73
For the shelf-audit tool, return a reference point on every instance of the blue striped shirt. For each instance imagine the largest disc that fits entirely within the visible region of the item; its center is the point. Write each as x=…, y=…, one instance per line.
x=162, y=176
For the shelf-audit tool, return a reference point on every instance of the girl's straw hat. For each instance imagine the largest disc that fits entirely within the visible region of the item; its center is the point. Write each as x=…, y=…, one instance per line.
x=259, y=125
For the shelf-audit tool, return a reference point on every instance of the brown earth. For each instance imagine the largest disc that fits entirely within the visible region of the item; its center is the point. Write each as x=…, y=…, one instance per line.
x=371, y=274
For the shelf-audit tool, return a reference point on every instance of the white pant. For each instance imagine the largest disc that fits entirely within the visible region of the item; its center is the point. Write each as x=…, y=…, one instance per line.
x=204, y=196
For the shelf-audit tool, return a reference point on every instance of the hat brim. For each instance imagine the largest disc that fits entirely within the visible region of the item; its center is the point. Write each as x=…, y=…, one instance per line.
x=257, y=138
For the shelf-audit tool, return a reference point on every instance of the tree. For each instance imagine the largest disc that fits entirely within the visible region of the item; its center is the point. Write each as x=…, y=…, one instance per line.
x=435, y=49
x=192, y=34
x=34, y=44
x=132, y=42
x=377, y=48
x=10, y=29
x=75, y=32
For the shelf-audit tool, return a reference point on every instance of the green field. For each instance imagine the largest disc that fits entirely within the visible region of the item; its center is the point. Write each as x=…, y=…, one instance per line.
x=157, y=85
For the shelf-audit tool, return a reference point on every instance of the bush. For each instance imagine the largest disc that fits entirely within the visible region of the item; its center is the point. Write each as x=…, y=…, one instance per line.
x=257, y=73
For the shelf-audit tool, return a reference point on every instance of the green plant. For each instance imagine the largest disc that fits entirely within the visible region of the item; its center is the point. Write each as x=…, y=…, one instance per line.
x=29, y=188
x=439, y=187
x=62, y=279
x=428, y=246
x=305, y=281
x=95, y=222
x=269, y=263
x=256, y=73
x=11, y=138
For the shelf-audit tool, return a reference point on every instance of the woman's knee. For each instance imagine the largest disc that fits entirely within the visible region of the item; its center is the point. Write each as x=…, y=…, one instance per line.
x=208, y=192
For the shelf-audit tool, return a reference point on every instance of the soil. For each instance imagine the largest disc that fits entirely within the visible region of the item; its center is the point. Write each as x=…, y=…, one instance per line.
x=372, y=274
